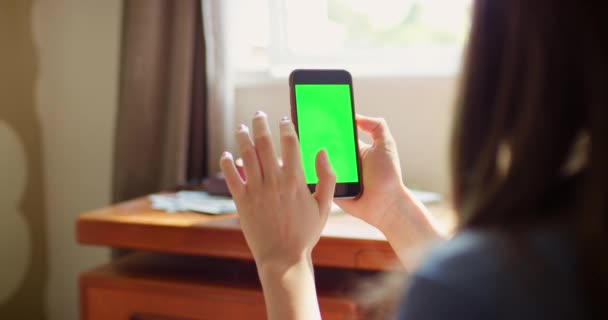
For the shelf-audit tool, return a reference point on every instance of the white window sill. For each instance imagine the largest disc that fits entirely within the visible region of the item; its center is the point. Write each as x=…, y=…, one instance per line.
x=279, y=75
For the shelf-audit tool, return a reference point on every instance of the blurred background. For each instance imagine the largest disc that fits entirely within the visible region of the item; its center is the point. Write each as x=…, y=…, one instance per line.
x=105, y=100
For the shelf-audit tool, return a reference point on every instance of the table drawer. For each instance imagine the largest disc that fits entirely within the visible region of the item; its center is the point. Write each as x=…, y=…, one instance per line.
x=136, y=289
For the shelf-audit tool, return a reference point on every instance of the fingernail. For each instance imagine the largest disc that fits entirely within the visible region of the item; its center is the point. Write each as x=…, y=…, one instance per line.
x=227, y=155
x=285, y=119
x=242, y=128
x=324, y=157
x=259, y=113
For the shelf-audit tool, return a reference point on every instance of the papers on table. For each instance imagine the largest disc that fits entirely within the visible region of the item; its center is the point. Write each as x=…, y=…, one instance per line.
x=196, y=201
x=426, y=197
x=199, y=201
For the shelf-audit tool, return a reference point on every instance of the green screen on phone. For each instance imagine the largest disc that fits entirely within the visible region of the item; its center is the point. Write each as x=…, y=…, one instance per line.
x=325, y=121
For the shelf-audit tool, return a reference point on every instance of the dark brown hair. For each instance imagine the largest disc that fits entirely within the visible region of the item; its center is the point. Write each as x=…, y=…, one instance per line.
x=536, y=83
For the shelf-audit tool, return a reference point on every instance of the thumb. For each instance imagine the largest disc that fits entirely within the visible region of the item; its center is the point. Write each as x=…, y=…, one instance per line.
x=324, y=193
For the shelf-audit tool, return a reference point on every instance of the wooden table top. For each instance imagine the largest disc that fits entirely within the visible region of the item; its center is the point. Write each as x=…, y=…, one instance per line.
x=346, y=242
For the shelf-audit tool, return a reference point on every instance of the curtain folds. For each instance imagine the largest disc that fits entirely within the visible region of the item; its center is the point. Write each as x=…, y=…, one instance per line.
x=220, y=77
x=161, y=126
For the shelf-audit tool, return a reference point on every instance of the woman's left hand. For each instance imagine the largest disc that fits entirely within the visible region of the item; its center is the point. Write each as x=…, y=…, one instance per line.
x=282, y=221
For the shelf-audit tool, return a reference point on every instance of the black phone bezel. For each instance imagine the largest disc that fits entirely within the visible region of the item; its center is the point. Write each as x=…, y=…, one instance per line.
x=329, y=76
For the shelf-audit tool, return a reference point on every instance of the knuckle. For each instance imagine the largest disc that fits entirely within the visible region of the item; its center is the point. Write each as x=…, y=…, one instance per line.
x=273, y=181
x=332, y=179
x=290, y=177
x=248, y=153
x=289, y=141
x=263, y=142
x=289, y=194
x=383, y=129
x=331, y=176
x=259, y=202
x=258, y=141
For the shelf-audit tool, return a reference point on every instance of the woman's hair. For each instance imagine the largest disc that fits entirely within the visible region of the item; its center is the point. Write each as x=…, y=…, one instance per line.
x=535, y=86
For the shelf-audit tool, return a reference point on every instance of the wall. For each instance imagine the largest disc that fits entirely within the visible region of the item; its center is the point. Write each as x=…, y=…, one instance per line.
x=59, y=80
x=23, y=214
x=418, y=110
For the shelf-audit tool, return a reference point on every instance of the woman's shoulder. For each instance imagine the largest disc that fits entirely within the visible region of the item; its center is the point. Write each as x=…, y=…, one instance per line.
x=496, y=253
x=490, y=272
x=468, y=252
x=469, y=258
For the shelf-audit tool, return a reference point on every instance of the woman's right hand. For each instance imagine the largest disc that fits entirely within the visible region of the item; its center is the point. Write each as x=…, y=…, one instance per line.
x=384, y=195
x=386, y=203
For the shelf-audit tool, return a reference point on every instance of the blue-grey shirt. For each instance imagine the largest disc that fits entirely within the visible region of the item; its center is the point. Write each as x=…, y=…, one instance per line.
x=492, y=275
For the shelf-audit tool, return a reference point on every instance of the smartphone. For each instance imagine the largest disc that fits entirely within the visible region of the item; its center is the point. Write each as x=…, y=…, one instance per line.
x=323, y=112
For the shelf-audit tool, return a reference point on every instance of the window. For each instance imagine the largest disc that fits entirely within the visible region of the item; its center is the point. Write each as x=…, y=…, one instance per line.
x=413, y=37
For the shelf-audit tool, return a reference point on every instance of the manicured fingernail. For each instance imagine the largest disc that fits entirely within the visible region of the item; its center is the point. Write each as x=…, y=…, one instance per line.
x=227, y=155
x=285, y=119
x=259, y=113
x=242, y=128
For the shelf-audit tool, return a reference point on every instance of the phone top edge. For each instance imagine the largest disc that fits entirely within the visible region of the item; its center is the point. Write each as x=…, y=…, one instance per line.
x=315, y=70
x=320, y=76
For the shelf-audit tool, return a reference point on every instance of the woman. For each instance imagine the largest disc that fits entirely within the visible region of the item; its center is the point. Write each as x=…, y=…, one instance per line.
x=530, y=181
